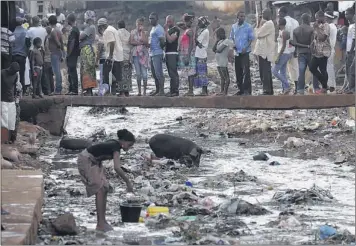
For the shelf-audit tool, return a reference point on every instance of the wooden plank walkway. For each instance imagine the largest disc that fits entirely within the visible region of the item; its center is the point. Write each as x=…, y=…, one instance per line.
x=229, y=102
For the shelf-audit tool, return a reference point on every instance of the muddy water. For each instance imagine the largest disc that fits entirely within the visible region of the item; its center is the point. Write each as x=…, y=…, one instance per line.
x=65, y=192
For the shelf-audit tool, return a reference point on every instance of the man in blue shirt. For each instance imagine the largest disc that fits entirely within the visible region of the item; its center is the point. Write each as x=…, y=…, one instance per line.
x=20, y=49
x=242, y=35
x=157, y=43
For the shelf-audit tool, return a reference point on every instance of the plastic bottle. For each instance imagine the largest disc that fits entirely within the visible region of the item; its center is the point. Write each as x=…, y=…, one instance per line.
x=188, y=186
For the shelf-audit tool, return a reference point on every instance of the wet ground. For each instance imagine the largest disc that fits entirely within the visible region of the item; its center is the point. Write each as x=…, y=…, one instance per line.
x=218, y=178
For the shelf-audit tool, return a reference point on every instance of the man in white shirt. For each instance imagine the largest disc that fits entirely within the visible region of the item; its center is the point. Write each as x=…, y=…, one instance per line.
x=292, y=64
x=265, y=35
x=36, y=31
x=330, y=67
x=60, y=16
x=114, y=54
x=201, y=55
x=350, y=46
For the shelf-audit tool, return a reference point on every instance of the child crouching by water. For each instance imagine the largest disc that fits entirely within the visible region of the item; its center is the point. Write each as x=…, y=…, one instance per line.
x=221, y=49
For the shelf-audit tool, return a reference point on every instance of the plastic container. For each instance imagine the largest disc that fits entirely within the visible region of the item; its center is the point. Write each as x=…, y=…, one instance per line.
x=130, y=213
x=153, y=211
x=188, y=184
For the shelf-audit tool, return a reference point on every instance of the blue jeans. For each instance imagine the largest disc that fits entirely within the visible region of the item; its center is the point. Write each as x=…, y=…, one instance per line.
x=280, y=70
x=303, y=62
x=56, y=67
x=157, y=72
x=141, y=70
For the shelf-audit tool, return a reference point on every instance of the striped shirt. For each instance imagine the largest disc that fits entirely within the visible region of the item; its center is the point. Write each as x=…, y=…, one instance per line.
x=7, y=37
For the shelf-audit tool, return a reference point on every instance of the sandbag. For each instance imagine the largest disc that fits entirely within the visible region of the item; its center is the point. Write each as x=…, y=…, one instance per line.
x=10, y=153
x=74, y=143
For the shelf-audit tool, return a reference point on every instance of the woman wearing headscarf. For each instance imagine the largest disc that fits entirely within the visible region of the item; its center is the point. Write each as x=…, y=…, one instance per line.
x=125, y=84
x=140, y=56
x=87, y=54
x=187, y=53
x=201, y=55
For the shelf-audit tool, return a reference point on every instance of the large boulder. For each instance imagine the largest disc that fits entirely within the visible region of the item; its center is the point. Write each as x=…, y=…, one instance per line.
x=5, y=164
x=65, y=225
x=10, y=153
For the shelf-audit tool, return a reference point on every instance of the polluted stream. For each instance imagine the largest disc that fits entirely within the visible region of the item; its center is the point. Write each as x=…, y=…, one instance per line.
x=232, y=198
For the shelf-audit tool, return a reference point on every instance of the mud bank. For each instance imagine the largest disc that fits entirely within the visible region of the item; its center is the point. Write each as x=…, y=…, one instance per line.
x=233, y=199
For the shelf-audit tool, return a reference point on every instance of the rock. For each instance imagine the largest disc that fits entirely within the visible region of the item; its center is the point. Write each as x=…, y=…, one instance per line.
x=6, y=164
x=183, y=196
x=340, y=159
x=197, y=211
x=180, y=118
x=10, y=153
x=65, y=225
x=236, y=206
x=75, y=191
x=29, y=149
x=293, y=142
x=260, y=157
x=289, y=223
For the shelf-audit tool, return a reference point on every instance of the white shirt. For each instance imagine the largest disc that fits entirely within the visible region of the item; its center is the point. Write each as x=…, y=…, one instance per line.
x=203, y=38
x=125, y=39
x=112, y=35
x=289, y=48
x=36, y=32
x=291, y=25
x=332, y=37
x=350, y=37
x=61, y=18
x=265, y=44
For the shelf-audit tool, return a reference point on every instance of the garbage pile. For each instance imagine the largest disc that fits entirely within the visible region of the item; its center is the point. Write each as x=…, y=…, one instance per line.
x=292, y=196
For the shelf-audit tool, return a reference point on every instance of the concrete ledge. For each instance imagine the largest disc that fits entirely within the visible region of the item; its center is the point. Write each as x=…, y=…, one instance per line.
x=229, y=102
x=22, y=196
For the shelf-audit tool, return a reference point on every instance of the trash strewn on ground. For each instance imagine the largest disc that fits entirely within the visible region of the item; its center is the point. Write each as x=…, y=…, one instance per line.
x=314, y=194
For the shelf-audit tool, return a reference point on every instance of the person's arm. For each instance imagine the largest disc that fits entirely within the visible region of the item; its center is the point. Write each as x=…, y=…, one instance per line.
x=215, y=46
x=133, y=41
x=70, y=45
x=191, y=42
x=221, y=47
x=86, y=33
x=204, y=39
x=251, y=37
x=100, y=49
x=173, y=37
x=109, y=37
x=264, y=30
x=162, y=40
x=120, y=172
x=353, y=41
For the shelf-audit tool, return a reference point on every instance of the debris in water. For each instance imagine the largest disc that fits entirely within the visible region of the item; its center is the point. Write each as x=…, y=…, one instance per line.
x=293, y=142
x=241, y=207
x=326, y=231
x=341, y=238
x=65, y=225
x=260, y=157
x=340, y=159
x=303, y=195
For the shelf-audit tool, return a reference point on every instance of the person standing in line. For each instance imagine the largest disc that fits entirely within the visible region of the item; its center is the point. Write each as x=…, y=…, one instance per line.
x=221, y=49
x=73, y=52
x=303, y=37
x=7, y=39
x=18, y=96
x=114, y=54
x=292, y=64
x=321, y=51
x=157, y=43
x=201, y=55
x=125, y=86
x=60, y=16
x=265, y=35
x=87, y=54
x=104, y=86
x=48, y=81
x=55, y=44
x=187, y=63
x=172, y=33
x=242, y=35
x=20, y=49
x=352, y=78
x=350, y=46
x=140, y=56
x=285, y=53
x=330, y=66
x=9, y=77
x=36, y=64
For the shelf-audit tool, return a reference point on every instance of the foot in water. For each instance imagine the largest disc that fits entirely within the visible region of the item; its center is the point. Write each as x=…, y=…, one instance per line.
x=104, y=228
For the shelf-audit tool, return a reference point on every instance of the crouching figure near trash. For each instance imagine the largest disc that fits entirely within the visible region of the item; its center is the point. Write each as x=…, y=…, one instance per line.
x=92, y=171
x=175, y=148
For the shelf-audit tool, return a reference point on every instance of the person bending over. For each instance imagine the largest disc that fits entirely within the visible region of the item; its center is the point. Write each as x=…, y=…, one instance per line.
x=92, y=172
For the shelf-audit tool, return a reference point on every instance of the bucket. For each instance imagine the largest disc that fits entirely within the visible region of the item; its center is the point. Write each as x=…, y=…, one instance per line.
x=130, y=213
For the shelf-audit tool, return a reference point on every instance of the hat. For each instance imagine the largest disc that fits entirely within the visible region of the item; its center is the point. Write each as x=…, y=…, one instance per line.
x=102, y=21
x=89, y=15
x=204, y=20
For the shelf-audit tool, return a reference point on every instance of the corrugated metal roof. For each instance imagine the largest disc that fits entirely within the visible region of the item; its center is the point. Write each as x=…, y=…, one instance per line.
x=294, y=2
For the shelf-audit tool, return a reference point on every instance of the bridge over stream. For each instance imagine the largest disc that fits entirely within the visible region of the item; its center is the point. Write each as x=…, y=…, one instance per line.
x=49, y=112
